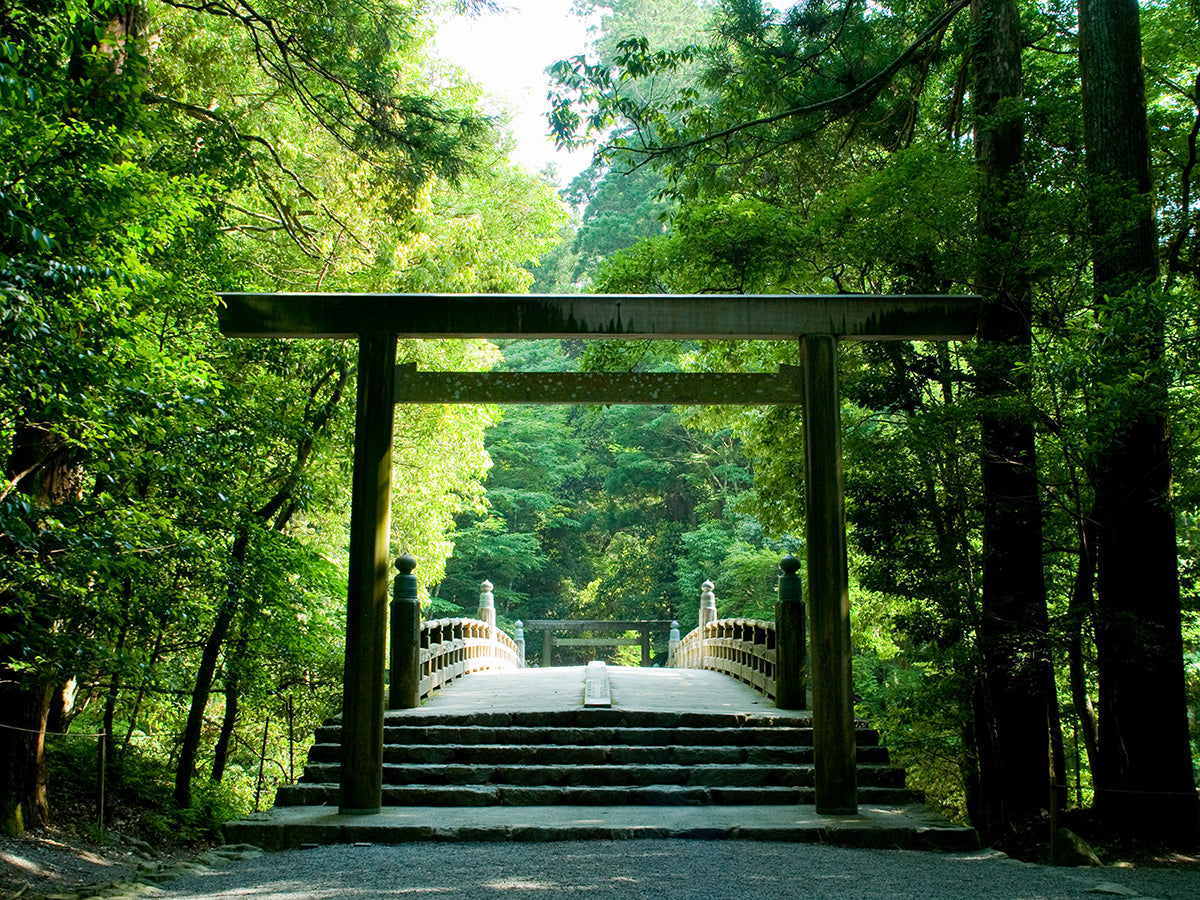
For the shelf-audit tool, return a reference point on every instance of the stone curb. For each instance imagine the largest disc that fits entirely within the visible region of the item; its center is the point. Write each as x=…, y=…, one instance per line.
x=150, y=874
x=293, y=835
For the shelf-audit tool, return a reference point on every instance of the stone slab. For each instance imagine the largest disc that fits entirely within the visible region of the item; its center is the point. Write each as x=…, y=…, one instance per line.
x=900, y=827
x=596, y=692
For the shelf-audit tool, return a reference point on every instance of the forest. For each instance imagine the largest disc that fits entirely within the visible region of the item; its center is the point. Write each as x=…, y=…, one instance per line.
x=1022, y=508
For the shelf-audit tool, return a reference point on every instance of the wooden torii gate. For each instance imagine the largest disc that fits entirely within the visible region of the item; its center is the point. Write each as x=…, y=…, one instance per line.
x=378, y=321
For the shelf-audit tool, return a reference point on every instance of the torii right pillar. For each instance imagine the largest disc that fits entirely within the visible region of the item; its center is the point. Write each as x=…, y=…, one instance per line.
x=834, y=760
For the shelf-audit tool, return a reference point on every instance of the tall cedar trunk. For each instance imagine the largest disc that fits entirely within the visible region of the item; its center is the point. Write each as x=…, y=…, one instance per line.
x=43, y=469
x=189, y=749
x=1017, y=706
x=1145, y=781
x=1079, y=612
x=278, y=511
x=229, y=720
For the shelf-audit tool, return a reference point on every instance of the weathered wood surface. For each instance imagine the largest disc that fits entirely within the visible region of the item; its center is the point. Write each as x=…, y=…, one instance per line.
x=541, y=388
x=743, y=648
x=828, y=582
x=451, y=648
x=595, y=624
x=597, y=692
x=654, y=316
x=404, y=687
x=367, y=596
x=791, y=639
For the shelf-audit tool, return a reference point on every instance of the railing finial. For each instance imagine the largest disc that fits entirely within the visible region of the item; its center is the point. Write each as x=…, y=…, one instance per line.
x=487, y=604
x=708, y=604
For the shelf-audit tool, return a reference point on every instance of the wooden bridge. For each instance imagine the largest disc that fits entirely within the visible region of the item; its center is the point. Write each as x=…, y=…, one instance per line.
x=379, y=322
x=492, y=749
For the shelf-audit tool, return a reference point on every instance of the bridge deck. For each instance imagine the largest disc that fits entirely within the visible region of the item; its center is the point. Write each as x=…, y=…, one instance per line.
x=561, y=688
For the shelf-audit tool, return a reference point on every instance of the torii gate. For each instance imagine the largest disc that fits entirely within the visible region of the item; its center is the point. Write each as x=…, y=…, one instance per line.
x=380, y=320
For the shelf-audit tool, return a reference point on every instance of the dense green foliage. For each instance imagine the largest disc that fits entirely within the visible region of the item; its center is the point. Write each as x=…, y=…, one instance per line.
x=173, y=515
x=831, y=147
x=611, y=513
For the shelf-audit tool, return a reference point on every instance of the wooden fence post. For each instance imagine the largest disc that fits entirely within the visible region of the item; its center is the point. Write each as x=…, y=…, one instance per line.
x=404, y=689
x=790, y=638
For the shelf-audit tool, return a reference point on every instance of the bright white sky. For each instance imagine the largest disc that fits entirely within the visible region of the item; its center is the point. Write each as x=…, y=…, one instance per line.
x=507, y=53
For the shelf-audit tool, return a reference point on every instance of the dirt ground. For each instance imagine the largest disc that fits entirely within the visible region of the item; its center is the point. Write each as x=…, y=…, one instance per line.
x=57, y=861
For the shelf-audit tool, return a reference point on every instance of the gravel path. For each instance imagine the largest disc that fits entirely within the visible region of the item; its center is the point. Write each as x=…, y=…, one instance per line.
x=662, y=870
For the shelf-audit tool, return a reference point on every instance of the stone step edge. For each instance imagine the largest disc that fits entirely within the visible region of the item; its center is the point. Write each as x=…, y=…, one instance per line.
x=602, y=717
x=310, y=826
x=634, y=736
x=598, y=754
x=552, y=796
x=607, y=769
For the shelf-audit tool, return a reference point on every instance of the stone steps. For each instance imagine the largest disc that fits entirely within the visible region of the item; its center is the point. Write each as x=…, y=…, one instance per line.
x=748, y=736
x=305, y=794
x=609, y=775
x=595, y=757
x=583, y=755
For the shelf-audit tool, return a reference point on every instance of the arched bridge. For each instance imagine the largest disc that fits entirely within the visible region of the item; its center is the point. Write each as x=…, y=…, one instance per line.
x=696, y=748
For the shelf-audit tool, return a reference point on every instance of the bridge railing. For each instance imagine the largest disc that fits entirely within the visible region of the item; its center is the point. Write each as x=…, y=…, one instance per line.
x=743, y=648
x=451, y=648
x=424, y=656
x=768, y=656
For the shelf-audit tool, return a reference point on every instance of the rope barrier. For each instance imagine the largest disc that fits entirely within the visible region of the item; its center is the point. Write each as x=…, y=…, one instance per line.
x=1098, y=790
x=56, y=734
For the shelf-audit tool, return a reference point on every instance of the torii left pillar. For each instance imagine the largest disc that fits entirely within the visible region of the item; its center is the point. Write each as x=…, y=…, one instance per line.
x=367, y=598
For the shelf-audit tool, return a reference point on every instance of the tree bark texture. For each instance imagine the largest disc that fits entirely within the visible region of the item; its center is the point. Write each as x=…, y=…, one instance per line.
x=45, y=471
x=1145, y=781
x=189, y=749
x=1016, y=706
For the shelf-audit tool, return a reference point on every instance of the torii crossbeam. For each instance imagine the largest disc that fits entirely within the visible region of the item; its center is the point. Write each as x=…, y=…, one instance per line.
x=817, y=322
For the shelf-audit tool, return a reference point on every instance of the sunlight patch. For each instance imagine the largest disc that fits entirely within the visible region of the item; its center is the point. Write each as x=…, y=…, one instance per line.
x=521, y=884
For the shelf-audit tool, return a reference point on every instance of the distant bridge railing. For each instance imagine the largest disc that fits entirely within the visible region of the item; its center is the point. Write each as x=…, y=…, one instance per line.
x=425, y=656
x=768, y=656
x=743, y=648
x=451, y=648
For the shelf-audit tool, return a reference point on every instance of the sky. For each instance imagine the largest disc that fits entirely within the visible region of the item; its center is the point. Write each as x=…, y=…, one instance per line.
x=507, y=53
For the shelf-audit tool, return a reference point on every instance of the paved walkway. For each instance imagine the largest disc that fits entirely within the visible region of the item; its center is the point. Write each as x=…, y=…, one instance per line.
x=561, y=688
x=662, y=870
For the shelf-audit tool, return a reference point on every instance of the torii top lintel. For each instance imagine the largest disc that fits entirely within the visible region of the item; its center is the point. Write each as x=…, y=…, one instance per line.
x=625, y=316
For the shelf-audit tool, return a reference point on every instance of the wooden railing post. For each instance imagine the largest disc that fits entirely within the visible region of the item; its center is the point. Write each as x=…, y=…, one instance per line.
x=790, y=640
x=708, y=604
x=708, y=614
x=404, y=689
x=519, y=640
x=487, y=605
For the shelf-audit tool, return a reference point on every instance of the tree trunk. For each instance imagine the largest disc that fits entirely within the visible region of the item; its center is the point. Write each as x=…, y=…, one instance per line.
x=1078, y=613
x=221, y=751
x=1145, y=781
x=189, y=748
x=23, y=713
x=1018, y=704
x=44, y=469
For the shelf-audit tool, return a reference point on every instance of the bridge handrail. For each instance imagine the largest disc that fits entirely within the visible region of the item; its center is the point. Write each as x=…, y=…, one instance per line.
x=742, y=648
x=451, y=648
